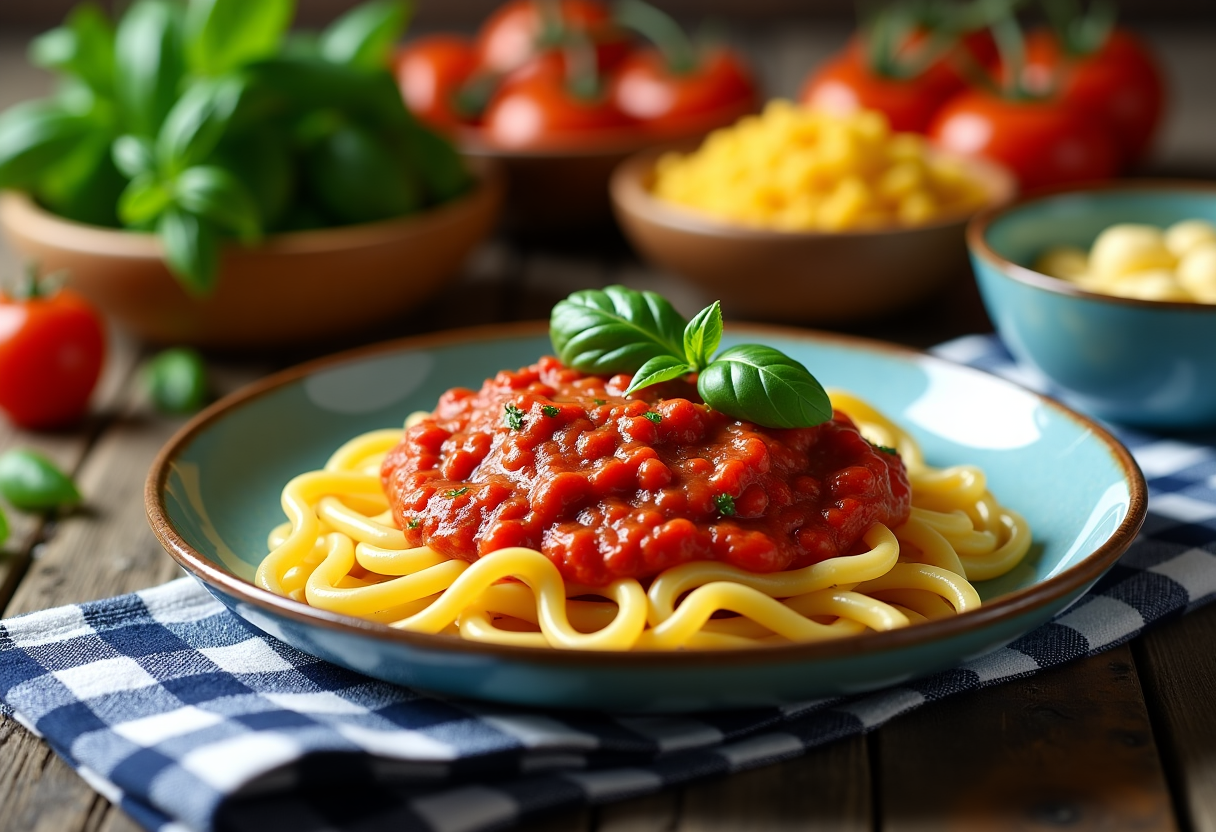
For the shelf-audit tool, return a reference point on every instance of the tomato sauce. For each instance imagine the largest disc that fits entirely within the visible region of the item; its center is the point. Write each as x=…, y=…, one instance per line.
x=609, y=486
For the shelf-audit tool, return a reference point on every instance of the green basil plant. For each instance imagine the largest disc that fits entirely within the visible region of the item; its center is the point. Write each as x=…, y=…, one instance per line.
x=208, y=120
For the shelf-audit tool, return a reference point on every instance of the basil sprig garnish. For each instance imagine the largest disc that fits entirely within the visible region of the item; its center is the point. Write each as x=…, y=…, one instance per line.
x=619, y=330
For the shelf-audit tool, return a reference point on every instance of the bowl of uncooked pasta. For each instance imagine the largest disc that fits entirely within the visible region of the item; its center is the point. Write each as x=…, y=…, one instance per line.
x=1108, y=291
x=636, y=512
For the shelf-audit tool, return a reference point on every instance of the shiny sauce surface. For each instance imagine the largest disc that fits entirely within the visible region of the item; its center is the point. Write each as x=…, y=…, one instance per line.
x=609, y=486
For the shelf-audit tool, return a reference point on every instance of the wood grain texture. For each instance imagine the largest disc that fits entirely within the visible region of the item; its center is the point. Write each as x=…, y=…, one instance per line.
x=1071, y=747
x=827, y=789
x=103, y=550
x=1178, y=668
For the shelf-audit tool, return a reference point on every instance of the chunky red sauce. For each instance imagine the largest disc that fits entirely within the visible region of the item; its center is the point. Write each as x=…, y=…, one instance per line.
x=610, y=487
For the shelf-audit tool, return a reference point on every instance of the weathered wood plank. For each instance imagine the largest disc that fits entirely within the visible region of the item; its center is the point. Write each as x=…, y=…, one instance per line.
x=1177, y=666
x=38, y=791
x=828, y=789
x=653, y=813
x=1069, y=747
x=104, y=550
x=67, y=449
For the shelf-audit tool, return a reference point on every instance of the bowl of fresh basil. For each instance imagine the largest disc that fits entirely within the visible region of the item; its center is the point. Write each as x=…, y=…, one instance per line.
x=226, y=191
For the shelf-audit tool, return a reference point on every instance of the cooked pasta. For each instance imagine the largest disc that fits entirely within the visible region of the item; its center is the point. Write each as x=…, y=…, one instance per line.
x=341, y=550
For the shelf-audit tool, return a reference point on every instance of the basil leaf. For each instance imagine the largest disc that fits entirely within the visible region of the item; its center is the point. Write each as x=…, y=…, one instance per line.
x=222, y=35
x=176, y=380
x=143, y=200
x=197, y=122
x=703, y=334
x=358, y=178
x=83, y=47
x=657, y=370
x=4, y=528
x=762, y=385
x=84, y=186
x=365, y=35
x=34, y=138
x=147, y=64
x=31, y=482
x=214, y=193
x=615, y=330
x=133, y=155
x=303, y=84
x=191, y=249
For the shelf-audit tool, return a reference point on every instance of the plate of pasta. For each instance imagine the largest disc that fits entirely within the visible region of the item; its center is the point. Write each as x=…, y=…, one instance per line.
x=466, y=513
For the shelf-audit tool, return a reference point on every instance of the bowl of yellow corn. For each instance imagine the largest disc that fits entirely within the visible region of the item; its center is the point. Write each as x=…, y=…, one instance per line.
x=805, y=216
x=1109, y=291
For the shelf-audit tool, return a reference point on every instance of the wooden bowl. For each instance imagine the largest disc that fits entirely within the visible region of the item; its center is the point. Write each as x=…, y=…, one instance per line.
x=562, y=188
x=290, y=289
x=804, y=277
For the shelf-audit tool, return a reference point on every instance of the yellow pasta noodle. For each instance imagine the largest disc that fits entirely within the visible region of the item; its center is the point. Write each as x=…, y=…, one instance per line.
x=341, y=551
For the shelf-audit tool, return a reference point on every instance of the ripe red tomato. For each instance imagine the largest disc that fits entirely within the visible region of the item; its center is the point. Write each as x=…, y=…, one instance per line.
x=515, y=33
x=539, y=111
x=716, y=92
x=430, y=71
x=1043, y=141
x=845, y=84
x=1119, y=83
x=51, y=352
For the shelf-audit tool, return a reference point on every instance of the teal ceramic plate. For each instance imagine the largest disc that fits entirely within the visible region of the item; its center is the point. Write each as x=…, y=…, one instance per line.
x=213, y=495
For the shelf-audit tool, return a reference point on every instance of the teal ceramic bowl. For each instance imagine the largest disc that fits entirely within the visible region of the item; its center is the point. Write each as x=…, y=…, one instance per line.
x=1146, y=363
x=213, y=495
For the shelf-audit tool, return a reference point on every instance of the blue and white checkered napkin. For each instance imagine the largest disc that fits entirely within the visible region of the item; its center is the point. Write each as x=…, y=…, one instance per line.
x=189, y=719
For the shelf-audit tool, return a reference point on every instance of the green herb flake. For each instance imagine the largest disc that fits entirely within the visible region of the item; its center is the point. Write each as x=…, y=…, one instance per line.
x=550, y=410
x=725, y=504
x=456, y=492
x=413, y=524
x=599, y=401
x=514, y=417
x=652, y=416
x=884, y=448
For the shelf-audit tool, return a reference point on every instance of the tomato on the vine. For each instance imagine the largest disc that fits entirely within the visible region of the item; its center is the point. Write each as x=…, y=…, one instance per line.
x=846, y=84
x=1043, y=141
x=541, y=110
x=1119, y=83
x=430, y=72
x=517, y=31
x=51, y=352
x=715, y=91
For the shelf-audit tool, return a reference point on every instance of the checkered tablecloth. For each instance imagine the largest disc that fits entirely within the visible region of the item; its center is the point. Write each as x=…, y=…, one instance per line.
x=189, y=719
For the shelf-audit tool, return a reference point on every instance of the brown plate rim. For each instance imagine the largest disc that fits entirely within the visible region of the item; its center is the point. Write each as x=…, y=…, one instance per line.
x=1004, y=608
x=977, y=241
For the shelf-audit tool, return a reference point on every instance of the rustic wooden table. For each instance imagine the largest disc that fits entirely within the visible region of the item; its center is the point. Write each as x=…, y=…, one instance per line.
x=1126, y=740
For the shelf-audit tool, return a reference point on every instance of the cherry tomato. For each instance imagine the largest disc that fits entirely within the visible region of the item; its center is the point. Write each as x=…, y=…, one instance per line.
x=540, y=111
x=515, y=33
x=51, y=351
x=715, y=92
x=846, y=84
x=1043, y=141
x=1119, y=83
x=430, y=72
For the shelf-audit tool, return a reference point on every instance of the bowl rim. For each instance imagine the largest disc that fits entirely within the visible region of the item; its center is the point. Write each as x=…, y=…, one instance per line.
x=978, y=227
x=615, y=142
x=18, y=210
x=1004, y=608
x=630, y=196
